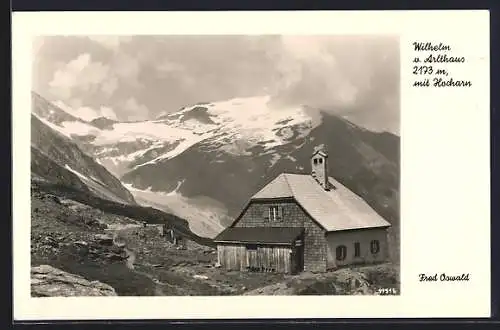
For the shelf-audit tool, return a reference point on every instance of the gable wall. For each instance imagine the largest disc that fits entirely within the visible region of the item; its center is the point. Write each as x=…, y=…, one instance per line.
x=293, y=216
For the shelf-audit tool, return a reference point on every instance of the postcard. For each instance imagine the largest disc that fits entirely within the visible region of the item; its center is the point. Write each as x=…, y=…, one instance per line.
x=187, y=165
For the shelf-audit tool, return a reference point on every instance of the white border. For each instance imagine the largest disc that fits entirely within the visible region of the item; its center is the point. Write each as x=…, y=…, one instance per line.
x=445, y=217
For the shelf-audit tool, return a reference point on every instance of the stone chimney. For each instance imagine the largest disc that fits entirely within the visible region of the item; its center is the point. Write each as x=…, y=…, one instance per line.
x=319, y=167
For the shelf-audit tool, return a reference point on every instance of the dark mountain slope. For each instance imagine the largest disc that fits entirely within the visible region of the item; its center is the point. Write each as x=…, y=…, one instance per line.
x=69, y=158
x=46, y=169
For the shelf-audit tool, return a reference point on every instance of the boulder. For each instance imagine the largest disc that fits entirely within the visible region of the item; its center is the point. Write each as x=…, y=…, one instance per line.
x=104, y=239
x=201, y=277
x=47, y=281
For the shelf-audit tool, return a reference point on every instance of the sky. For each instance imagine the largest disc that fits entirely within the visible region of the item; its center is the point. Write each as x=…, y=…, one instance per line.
x=131, y=78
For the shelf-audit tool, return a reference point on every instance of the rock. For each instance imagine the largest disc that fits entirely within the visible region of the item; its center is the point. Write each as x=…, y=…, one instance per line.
x=55, y=199
x=201, y=277
x=50, y=241
x=47, y=281
x=358, y=281
x=117, y=249
x=114, y=257
x=104, y=239
x=81, y=243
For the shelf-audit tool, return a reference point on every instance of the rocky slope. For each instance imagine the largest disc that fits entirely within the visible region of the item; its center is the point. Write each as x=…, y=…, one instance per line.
x=56, y=158
x=367, y=280
x=75, y=232
x=47, y=281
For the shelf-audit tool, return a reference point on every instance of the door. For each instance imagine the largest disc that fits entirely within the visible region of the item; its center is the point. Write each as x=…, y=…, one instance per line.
x=252, y=257
x=298, y=257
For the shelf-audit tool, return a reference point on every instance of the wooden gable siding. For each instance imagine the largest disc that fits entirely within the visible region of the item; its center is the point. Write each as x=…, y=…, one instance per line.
x=292, y=216
x=279, y=259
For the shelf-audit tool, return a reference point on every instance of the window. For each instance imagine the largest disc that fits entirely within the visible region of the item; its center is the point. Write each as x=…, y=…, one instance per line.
x=251, y=247
x=274, y=213
x=315, y=160
x=321, y=160
x=357, y=249
x=341, y=252
x=374, y=246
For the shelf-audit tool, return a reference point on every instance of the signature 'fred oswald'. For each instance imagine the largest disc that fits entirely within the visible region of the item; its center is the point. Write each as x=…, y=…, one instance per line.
x=443, y=277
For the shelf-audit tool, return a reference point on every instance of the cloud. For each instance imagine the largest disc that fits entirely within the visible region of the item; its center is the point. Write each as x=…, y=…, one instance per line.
x=109, y=86
x=108, y=113
x=168, y=66
x=134, y=110
x=313, y=73
x=85, y=78
x=126, y=68
x=355, y=76
x=344, y=75
x=79, y=73
x=111, y=42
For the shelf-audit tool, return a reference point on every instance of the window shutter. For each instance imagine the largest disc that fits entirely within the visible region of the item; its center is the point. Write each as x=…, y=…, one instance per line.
x=357, y=249
x=280, y=213
x=341, y=252
x=374, y=246
x=265, y=214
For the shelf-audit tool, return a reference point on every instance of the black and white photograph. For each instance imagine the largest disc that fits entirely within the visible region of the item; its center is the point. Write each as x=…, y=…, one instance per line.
x=215, y=165
x=251, y=165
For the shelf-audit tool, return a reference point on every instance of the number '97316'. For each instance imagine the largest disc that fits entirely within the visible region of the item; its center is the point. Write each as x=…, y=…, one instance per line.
x=387, y=291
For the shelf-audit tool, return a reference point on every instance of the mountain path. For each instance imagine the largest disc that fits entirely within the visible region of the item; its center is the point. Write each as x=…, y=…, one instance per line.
x=130, y=263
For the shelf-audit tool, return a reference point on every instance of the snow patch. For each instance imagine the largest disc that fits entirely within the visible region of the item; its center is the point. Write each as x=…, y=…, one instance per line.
x=79, y=128
x=147, y=130
x=181, y=147
x=97, y=180
x=80, y=175
x=53, y=126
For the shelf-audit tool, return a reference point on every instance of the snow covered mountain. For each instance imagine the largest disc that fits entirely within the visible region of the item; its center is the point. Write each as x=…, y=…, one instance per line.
x=204, y=161
x=231, y=126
